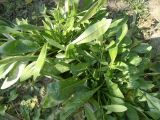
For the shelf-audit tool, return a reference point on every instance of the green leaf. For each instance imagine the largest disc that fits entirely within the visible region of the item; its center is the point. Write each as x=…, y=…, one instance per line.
x=134, y=59
x=113, y=88
x=154, y=114
x=115, y=108
x=6, y=29
x=89, y=113
x=154, y=106
x=92, y=10
x=5, y=69
x=115, y=27
x=61, y=67
x=14, y=75
x=40, y=61
x=3, y=110
x=17, y=58
x=86, y=4
x=28, y=71
x=13, y=95
x=153, y=102
x=27, y=27
x=122, y=33
x=37, y=114
x=53, y=43
x=77, y=101
x=113, y=51
x=142, y=48
x=93, y=32
x=70, y=51
x=59, y=91
x=132, y=114
x=16, y=47
x=116, y=100
x=78, y=67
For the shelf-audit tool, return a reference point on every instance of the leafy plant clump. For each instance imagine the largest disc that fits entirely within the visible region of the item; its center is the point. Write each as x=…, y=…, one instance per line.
x=78, y=65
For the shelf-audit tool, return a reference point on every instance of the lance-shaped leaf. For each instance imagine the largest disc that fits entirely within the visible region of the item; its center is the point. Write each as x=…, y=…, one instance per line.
x=28, y=71
x=5, y=69
x=93, y=32
x=6, y=29
x=89, y=113
x=17, y=58
x=113, y=88
x=13, y=76
x=92, y=10
x=40, y=61
x=76, y=102
x=59, y=91
x=52, y=42
x=16, y=47
x=153, y=102
x=116, y=108
x=122, y=33
x=113, y=51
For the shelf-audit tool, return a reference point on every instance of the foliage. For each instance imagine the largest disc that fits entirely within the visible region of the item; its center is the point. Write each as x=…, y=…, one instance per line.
x=78, y=63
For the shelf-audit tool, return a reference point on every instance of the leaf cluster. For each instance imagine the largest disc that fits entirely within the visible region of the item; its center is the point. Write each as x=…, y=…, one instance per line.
x=78, y=64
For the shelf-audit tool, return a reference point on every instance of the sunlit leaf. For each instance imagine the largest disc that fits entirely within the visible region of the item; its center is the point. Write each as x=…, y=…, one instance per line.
x=17, y=58
x=122, y=33
x=5, y=69
x=113, y=51
x=116, y=108
x=28, y=71
x=92, y=10
x=13, y=76
x=40, y=61
x=16, y=47
x=93, y=32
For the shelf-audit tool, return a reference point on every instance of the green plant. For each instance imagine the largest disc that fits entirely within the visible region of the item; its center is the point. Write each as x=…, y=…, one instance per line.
x=77, y=65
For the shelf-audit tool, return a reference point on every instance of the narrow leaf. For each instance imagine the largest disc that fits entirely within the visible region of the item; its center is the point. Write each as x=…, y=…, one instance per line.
x=122, y=33
x=93, y=32
x=17, y=58
x=153, y=102
x=6, y=29
x=75, y=103
x=5, y=69
x=13, y=76
x=28, y=71
x=54, y=43
x=16, y=47
x=132, y=114
x=89, y=113
x=113, y=51
x=116, y=108
x=40, y=61
x=59, y=91
x=113, y=88
x=92, y=10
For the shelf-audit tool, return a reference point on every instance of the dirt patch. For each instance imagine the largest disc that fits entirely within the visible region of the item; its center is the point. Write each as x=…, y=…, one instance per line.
x=154, y=7
x=118, y=5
